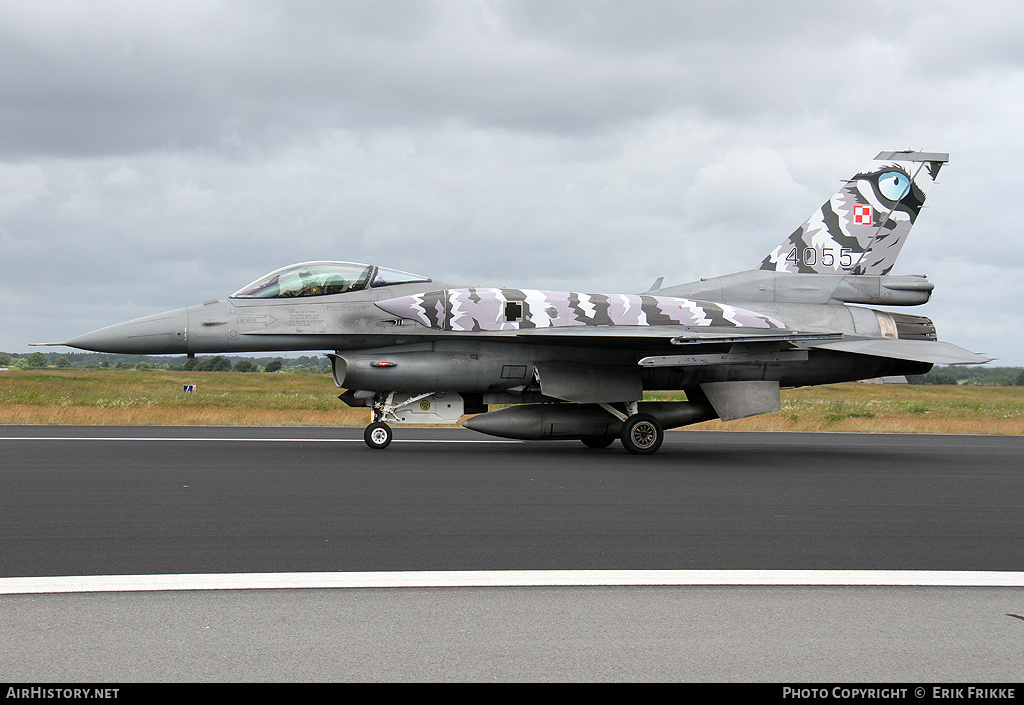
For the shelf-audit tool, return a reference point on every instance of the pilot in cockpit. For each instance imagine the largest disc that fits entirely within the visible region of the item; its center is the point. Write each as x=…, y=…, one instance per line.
x=310, y=284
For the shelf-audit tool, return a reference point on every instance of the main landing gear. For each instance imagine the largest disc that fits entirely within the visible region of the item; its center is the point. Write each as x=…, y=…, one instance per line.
x=641, y=434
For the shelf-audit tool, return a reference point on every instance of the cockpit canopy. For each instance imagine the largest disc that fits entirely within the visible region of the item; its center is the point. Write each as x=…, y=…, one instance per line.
x=323, y=278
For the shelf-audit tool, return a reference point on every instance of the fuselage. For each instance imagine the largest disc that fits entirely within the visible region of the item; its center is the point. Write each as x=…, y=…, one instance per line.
x=356, y=328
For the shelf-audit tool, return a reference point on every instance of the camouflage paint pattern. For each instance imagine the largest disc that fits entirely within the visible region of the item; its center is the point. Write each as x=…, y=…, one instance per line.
x=862, y=228
x=479, y=309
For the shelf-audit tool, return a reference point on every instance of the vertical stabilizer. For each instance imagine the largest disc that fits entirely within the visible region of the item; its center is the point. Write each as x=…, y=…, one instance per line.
x=861, y=229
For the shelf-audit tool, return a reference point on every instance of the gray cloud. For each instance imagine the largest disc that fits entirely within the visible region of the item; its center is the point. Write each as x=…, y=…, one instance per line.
x=159, y=154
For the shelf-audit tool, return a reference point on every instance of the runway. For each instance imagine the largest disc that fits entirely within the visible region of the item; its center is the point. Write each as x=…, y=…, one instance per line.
x=313, y=500
x=81, y=501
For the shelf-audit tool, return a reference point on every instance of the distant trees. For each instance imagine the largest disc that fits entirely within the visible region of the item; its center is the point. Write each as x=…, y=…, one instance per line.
x=305, y=363
x=974, y=375
x=316, y=364
x=214, y=364
x=934, y=377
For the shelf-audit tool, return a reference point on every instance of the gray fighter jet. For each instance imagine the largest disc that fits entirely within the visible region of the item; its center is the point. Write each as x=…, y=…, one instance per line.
x=572, y=365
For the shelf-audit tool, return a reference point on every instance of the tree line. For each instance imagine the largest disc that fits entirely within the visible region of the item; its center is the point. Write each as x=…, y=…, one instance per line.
x=974, y=375
x=218, y=363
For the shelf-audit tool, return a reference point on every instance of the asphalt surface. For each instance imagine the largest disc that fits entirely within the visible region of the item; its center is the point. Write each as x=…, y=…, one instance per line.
x=216, y=500
x=705, y=501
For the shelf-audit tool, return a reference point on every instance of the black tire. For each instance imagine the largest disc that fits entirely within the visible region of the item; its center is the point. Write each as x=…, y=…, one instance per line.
x=377, y=435
x=642, y=434
x=598, y=441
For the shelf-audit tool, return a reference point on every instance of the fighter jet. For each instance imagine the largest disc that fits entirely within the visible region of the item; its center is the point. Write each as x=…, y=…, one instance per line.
x=575, y=365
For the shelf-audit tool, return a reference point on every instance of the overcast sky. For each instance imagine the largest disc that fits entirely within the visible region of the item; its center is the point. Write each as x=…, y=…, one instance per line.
x=154, y=155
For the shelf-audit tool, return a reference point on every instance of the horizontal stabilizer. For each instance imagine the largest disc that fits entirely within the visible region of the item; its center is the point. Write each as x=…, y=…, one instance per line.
x=932, y=351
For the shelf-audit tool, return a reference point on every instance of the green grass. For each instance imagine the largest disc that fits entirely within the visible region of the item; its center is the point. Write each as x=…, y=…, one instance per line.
x=156, y=397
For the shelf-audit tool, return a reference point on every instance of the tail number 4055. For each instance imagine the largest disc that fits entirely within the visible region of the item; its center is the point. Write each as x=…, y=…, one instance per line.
x=811, y=255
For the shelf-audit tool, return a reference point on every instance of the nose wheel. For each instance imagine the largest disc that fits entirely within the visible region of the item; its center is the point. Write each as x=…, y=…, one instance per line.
x=377, y=435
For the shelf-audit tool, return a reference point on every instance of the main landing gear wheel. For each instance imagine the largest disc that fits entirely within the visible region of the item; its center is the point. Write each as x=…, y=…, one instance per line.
x=377, y=435
x=642, y=434
x=598, y=441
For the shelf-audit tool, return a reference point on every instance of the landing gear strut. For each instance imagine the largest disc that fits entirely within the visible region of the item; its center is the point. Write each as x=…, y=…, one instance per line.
x=378, y=434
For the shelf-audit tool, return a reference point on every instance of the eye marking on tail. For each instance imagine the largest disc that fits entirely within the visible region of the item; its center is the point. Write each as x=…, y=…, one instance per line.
x=894, y=184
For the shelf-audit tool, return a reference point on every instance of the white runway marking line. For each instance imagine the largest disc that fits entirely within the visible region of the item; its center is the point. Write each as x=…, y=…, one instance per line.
x=243, y=440
x=513, y=578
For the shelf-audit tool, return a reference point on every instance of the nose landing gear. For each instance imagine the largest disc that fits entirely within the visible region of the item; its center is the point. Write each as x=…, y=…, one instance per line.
x=400, y=407
x=377, y=435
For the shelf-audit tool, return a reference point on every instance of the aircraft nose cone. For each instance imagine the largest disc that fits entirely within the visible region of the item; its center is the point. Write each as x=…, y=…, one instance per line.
x=162, y=333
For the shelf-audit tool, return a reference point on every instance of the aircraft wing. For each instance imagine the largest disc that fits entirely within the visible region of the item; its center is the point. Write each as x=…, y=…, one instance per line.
x=918, y=350
x=677, y=335
x=935, y=352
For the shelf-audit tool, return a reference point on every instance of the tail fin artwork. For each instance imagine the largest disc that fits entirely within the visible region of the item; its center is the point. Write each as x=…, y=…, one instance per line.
x=861, y=229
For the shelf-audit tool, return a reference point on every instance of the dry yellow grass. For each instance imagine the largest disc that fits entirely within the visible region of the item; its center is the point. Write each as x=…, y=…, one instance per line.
x=892, y=408
x=155, y=397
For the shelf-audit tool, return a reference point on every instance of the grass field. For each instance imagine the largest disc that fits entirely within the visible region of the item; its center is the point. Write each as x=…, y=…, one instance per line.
x=155, y=397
